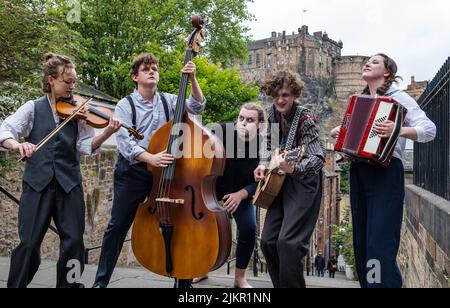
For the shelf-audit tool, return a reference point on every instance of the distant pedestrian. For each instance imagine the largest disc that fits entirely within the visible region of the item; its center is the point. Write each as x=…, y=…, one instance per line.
x=319, y=263
x=332, y=266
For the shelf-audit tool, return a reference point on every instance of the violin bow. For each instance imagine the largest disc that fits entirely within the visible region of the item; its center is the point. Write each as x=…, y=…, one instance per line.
x=57, y=129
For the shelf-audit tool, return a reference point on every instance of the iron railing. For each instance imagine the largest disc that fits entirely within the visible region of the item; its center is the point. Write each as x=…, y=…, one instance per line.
x=432, y=160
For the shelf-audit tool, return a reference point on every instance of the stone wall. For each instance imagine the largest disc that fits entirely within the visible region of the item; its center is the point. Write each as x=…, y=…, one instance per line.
x=416, y=88
x=98, y=174
x=424, y=256
x=347, y=81
x=330, y=208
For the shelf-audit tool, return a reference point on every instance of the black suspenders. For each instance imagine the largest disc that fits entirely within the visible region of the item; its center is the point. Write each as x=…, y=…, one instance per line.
x=133, y=108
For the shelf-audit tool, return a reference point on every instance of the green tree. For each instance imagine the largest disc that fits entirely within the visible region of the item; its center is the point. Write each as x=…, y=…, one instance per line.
x=111, y=33
x=116, y=30
x=228, y=40
x=224, y=90
x=29, y=34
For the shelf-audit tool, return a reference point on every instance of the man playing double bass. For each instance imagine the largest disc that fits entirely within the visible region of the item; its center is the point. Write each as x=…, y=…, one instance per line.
x=148, y=110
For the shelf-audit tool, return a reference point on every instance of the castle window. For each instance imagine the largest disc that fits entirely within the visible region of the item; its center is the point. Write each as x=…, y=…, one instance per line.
x=258, y=59
x=250, y=60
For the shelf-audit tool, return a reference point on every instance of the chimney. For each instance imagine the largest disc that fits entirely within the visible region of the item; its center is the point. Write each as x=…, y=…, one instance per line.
x=274, y=34
x=284, y=35
x=318, y=34
x=304, y=30
x=413, y=80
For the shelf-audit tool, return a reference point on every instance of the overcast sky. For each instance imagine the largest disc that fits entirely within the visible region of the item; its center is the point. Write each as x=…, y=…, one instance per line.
x=416, y=33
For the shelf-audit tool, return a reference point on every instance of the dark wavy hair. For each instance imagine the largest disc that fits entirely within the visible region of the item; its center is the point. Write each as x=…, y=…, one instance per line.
x=52, y=63
x=392, y=68
x=279, y=80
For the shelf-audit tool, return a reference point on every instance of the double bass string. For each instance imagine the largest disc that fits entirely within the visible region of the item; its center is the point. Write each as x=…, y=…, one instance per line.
x=166, y=183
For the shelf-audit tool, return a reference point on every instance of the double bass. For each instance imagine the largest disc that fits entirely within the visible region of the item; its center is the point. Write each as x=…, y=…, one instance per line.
x=180, y=230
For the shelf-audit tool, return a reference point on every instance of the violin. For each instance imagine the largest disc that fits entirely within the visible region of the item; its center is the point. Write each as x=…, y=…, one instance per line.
x=97, y=117
x=78, y=108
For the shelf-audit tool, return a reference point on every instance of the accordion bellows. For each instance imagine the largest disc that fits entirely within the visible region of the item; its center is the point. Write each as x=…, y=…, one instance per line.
x=357, y=136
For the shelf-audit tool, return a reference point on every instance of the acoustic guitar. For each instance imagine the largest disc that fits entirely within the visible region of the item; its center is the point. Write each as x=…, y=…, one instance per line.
x=269, y=188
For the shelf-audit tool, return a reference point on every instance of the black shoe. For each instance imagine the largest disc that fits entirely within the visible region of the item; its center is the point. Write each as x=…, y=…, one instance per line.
x=76, y=286
x=183, y=284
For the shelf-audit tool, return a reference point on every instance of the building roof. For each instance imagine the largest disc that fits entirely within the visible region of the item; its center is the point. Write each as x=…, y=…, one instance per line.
x=100, y=98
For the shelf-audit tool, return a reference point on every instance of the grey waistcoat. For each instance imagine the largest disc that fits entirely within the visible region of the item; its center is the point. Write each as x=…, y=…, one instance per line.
x=57, y=158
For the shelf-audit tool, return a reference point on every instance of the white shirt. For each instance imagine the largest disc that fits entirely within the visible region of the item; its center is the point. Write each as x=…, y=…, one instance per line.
x=20, y=124
x=415, y=118
x=150, y=116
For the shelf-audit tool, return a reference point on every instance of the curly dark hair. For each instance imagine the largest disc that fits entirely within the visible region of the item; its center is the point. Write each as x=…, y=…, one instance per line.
x=392, y=68
x=279, y=80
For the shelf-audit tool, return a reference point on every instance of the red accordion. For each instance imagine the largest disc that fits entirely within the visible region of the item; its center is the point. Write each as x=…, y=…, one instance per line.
x=357, y=136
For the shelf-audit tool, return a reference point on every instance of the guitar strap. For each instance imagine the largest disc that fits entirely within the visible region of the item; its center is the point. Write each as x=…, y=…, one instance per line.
x=290, y=142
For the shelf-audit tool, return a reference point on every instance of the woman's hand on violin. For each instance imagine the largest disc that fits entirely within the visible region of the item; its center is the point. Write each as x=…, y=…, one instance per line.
x=25, y=149
x=232, y=201
x=161, y=160
x=190, y=69
x=113, y=126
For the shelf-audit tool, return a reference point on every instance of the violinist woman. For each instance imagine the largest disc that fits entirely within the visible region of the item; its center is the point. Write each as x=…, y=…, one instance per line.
x=52, y=183
x=147, y=110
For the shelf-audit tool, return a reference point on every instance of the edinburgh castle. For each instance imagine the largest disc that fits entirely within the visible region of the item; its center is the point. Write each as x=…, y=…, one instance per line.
x=329, y=77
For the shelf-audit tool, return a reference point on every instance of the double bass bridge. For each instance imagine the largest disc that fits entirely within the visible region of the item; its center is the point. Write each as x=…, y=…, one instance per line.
x=170, y=201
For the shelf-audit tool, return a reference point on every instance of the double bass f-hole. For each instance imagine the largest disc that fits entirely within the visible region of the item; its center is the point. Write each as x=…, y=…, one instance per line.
x=196, y=216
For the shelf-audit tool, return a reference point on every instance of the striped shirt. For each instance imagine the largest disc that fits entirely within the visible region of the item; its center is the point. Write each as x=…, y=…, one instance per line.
x=308, y=135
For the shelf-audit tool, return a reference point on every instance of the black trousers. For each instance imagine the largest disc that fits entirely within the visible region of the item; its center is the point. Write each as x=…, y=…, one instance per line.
x=289, y=224
x=35, y=213
x=377, y=195
x=132, y=184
